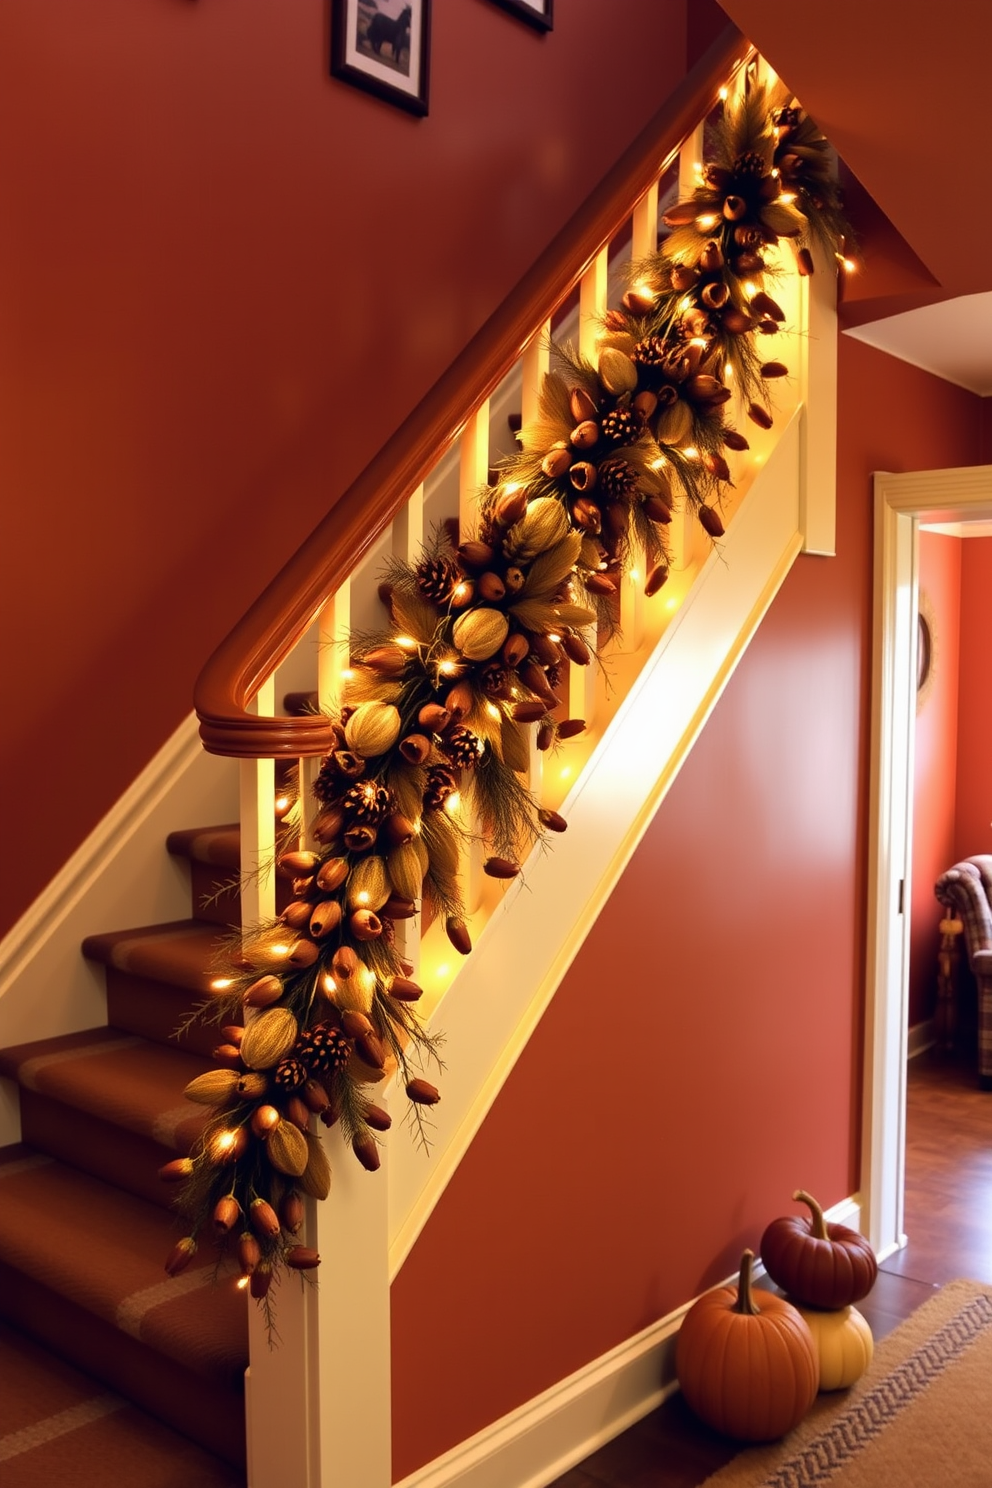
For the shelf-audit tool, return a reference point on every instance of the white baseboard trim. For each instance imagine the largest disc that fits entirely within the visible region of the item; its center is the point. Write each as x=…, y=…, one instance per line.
x=121, y=875
x=540, y=1440
x=922, y=1036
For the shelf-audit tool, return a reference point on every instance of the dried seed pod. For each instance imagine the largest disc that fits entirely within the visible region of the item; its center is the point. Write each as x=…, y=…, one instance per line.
x=372, y=729
x=552, y=820
x=657, y=508
x=396, y=908
x=316, y=1179
x=515, y=648
x=261, y=1280
x=735, y=441
x=228, y=1055
x=364, y=925
x=294, y=863
x=371, y=1050
x=264, y=1119
x=773, y=369
x=359, y=837
x=765, y=305
x=715, y=296
x=332, y=874
x=388, y=661
x=415, y=748
x=355, y=1024
x=422, y=1092
x=514, y=579
x=583, y=477
x=233, y=1033
x=297, y=914
x=366, y=1149
x=535, y=679
x=263, y=1219
x=301, y=1258
x=457, y=932
x=716, y=465
x=576, y=649
x=570, y=727
x=804, y=262
x=314, y=1096
x=544, y=524
x=617, y=372
x=403, y=989
x=227, y=1212
x=249, y=1252
x=253, y=1085
x=176, y=1171
x=491, y=587
x=180, y=1256
x=656, y=579
x=292, y=1212
x=545, y=736
x=480, y=633
x=405, y=872
x=525, y=712
x=433, y=717
x=581, y=404
x=397, y=829
x=510, y=506
x=377, y=1118
x=344, y=964
x=710, y=521
x=556, y=462
x=711, y=259
x=368, y=886
x=213, y=1088
x=298, y=1112
x=759, y=416
x=263, y=993
x=584, y=435
x=325, y=918
x=500, y=868
x=268, y=1038
x=287, y=1152
x=460, y=701
x=327, y=826
x=475, y=556
x=302, y=953
x=599, y=583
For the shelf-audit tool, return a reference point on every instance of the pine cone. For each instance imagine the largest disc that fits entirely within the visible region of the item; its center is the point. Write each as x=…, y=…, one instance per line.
x=441, y=783
x=290, y=1074
x=436, y=578
x=651, y=352
x=617, y=479
x=366, y=804
x=462, y=747
x=749, y=164
x=320, y=1048
x=493, y=679
x=335, y=769
x=620, y=426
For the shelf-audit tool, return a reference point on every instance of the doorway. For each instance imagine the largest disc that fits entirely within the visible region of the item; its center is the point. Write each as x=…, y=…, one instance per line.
x=902, y=502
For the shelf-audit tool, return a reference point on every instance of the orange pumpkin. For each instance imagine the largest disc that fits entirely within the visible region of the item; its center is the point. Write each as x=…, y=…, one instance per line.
x=746, y=1361
x=819, y=1264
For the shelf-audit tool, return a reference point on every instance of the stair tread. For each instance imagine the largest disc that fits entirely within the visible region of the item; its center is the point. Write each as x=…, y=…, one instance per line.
x=104, y=1250
x=118, y=1077
x=104, y=1439
x=182, y=953
x=218, y=846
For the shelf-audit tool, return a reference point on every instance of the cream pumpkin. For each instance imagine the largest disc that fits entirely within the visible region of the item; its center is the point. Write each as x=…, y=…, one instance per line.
x=843, y=1342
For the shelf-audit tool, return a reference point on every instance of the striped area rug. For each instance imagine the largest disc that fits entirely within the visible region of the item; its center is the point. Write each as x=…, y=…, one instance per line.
x=920, y=1418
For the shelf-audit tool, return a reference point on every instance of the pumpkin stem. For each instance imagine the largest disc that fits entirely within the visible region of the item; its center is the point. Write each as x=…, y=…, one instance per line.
x=818, y=1225
x=745, y=1300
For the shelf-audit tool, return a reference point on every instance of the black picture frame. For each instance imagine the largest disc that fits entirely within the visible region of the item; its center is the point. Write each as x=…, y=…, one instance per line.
x=537, y=13
x=373, y=49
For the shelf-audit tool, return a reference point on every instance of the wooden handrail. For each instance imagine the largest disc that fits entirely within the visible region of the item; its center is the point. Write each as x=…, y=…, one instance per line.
x=283, y=613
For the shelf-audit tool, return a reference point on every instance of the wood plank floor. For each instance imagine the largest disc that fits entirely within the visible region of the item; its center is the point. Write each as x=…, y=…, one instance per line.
x=949, y=1224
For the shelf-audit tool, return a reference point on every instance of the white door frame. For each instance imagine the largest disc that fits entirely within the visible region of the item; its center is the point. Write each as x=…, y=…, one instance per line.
x=902, y=502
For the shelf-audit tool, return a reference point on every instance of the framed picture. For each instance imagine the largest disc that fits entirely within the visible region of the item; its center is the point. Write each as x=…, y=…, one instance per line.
x=383, y=46
x=537, y=13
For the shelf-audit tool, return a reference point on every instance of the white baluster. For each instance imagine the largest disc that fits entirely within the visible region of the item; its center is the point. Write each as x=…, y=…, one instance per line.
x=258, y=839
x=592, y=305
x=536, y=362
x=644, y=235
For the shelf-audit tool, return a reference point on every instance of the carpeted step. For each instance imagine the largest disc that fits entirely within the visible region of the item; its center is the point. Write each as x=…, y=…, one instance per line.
x=60, y=1427
x=214, y=857
x=82, y=1270
x=151, y=973
x=108, y=1103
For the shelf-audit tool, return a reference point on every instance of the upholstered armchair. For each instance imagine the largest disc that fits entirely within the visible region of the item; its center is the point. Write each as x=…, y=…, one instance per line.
x=966, y=890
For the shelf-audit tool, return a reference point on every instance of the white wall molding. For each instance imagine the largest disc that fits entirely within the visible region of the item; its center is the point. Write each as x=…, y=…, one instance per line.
x=902, y=502
x=535, y=1444
x=491, y=1009
x=121, y=875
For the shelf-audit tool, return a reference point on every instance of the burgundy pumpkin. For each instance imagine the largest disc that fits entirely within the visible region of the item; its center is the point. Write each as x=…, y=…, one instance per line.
x=819, y=1264
x=746, y=1361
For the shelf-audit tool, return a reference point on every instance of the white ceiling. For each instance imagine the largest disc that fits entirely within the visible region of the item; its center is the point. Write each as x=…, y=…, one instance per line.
x=952, y=339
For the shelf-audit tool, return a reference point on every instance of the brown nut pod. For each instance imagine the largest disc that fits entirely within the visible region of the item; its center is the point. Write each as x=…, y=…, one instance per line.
x=583, y=476
x=457, y=932
x=556, y=462
x=422, y=1092
x=656, y=579
x=297, y=914
x=500, y=868
x=327, y=826
x=365, y=925
x=475, y=556
x=325, y=918
x=515, y=648
x=552, y=820
x=491, y=587
x=581, y=405
x=332, y=874
x=432, y=716
x=415, y=748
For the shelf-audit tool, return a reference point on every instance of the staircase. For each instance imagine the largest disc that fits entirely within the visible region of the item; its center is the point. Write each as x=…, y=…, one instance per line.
x=85, y=1224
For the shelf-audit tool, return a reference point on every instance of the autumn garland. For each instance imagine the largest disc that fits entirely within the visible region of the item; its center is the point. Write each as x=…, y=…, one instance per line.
x=322, y=1005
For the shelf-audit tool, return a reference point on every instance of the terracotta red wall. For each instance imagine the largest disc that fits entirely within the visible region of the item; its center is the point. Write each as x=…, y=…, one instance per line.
x=973, y=815
x=702, y=1057
x=206, y=252
x=935, y=764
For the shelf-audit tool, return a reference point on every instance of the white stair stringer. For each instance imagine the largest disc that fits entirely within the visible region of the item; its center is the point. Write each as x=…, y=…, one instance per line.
x=494, y=1004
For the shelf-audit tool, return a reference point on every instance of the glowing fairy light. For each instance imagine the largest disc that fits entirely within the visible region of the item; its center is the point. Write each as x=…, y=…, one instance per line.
x=659, y=463
x=221, y=984
x=449, y=666
x=347, y=674
x=363, y=897
x=453, y=803
x=512, y=486
x=330, y=986
x=707, y=221
x=566, y=772
x=242, y=1283
x=407, y=643
x=750, y=289
x=691, y=452
x=443, y=969
x=492, y=710
x=723, y=95
x=280, y=949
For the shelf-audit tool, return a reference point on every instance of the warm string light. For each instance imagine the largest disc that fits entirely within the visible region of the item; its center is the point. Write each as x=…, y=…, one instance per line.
x=707, y=221
x=221, y=984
